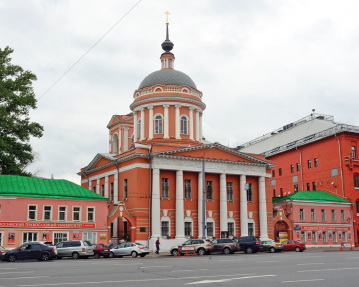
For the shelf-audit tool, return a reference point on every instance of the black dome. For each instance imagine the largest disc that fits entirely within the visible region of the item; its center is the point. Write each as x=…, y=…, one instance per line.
x=167, y=77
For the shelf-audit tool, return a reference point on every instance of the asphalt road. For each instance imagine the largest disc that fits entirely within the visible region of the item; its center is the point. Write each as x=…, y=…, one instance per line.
x=286, y=269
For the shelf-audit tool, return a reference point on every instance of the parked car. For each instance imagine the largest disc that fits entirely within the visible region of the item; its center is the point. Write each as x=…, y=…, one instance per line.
x=271, y=246
x=291, y=245
x=202, y=246
x=223, y=245
x=248, y=244
x=129, y=249
x=29, y=250
x=101, y=250
x=74, y=249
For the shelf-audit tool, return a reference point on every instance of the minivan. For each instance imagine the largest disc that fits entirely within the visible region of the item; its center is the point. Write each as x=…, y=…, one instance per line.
x=74, y=249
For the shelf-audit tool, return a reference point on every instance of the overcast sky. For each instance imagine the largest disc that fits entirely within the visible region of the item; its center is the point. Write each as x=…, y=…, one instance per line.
x=260, y=64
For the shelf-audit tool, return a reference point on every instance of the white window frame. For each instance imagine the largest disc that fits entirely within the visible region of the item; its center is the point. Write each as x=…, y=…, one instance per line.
x=61, y=212
x=43, y=212
x=342, y=215
x=28, y=212
x=230, y=191
x=87, y=213
x=234, y=227
x=325, y=236
x=166, y=219
x=211, y=220
x=165, y=187
x=62, y=237
x=191, y=225
x=324, y=215
x=73, y=213
x=312, y=214
x=158, y=124
x=32, y=239
x=139, y=123
x=85, y=236
x=184, y=124
x=301, y=212
x=115, y=138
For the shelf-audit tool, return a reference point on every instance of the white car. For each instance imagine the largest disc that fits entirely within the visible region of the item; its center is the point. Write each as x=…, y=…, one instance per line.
x=129, y=249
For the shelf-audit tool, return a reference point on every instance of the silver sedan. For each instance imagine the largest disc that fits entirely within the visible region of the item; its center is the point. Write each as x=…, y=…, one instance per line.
x=129, y=249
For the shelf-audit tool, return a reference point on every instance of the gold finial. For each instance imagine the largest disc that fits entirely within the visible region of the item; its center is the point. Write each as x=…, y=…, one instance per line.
x=167, y=13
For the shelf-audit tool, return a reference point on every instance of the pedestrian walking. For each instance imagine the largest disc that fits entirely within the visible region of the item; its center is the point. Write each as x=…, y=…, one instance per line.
x=158, y=246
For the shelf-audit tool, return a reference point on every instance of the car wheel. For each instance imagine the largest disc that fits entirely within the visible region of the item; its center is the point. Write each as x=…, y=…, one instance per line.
x=11, y=258
x=226, y=250
x=297, y=249
x=75, y=255
x=143, y=255
x=201, y=252
x=134, y=254
x=174, y=252
x=112, y=255
x=272, y=250
x=249, y=250
x=97, y=255
x=44, y=257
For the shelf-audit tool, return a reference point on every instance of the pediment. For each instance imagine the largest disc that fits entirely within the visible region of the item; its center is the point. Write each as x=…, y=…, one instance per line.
x=100, y=160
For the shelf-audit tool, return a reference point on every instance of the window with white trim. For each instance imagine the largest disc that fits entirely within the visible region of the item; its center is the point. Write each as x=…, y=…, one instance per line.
x=210, y=229
x=76, y=213
x=188, y=189
x=334, y=218
x=324, y=215
x=165, y=228
x=165, y=187
x=90, y=214
x=62, y=213
x=60, y=236
x=32, y=212
x=301, y=214
x=29, y=236
x=210, y=190
x=230, y=228
x=188, y=228
x=184, y=125
x=90, y=236
x=230, y=191
x=158, y=124
x=139, y=128
x=342, y=215
x=47, y=212
x=312, y=214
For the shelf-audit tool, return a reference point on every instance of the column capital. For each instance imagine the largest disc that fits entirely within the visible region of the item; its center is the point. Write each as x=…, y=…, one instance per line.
x=126, y=128
x=150, y=107
x=141, y=109
x=191, y=108
x=178, y=106
x=166, y=106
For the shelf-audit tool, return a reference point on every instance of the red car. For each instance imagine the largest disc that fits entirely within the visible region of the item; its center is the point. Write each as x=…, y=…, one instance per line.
x=291, y=245
x=101, y=250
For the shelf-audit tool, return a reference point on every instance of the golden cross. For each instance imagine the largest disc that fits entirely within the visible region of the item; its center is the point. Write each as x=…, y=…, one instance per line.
x=167, y=13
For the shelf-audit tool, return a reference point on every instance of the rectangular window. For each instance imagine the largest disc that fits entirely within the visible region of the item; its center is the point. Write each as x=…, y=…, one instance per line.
x=333, y=215
x=342, y=215
x=325, y=237
x=209, y=190
x=165, y=188
x=188, y=228
x=324, y=215
x=356, y=180
x=103, y=190
x=313, y=186
x=273, y=173
x=312, y=213
x=62, y=213
x=111, y=192
x=354, y=151
x=90, y=214
x=29, y=236
x=125, y=189
x=188, y=189
x=32, y=212
x=335, y=237
x=280, y=172
x=334, y=172
x=274, y=193
x=230, y=191
x=308, y=186
x=281, y=191
x=298, y=167
x=60, y=236
x=304, y=238
x=90, y=236
x=273, y=182
x=357, y=205
x=94, y=189
x=316, y=162
x=165, y=230
x=230, y=228
x=296, y=188
x=295, y=179
x=76, y=213
x=47, y=212
x=344, y=236
x=301, y=214
x=309, y=164
x=209, y=228
x=250, y=229
x=292, y=168
x=249, y=192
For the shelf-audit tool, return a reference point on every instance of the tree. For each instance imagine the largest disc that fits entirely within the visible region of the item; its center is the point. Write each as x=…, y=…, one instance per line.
x=17, y=97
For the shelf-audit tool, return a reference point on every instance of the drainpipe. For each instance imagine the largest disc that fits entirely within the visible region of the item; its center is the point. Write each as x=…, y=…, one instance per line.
x=340, y=164
x=301, y=166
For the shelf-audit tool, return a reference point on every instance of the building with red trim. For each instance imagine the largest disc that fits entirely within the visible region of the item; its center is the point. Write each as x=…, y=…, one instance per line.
x=313, y=153
x=165, y=180
x=35, y=209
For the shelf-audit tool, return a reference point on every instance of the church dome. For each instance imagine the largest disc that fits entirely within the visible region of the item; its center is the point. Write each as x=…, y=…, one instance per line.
x=167, y=77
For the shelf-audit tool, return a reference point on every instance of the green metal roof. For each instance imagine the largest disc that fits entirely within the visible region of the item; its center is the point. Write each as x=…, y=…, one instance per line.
x=22, y=186
x=314, y=195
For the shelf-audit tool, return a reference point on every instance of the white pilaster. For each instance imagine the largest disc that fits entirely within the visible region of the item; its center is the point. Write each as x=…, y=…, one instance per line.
x=223, y=203
x=197, y=126
x=156, y=216
x=98, y=190
x=200, y=127
x=262, y=209
x=125, y=139
x=110, y=146
x=106, y=186
x=115, y=189
x=119, y=144
x=191, y=123
x=166, y=122
x=179, y=205
x=200, y=204
x=243, y=206
x=142, y=124
x=135, y=126
x=178, y=122
x=150, y=121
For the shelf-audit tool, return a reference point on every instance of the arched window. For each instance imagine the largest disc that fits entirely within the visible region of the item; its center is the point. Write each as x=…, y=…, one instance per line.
x=115, y=144
x=158, y=124
x=184, y=125
x=139, y=128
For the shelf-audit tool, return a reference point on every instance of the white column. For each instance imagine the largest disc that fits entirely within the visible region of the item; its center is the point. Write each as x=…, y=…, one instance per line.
x=90, y=185
x=223, y=203
x=106, y=186
x=110, y=143
x=156, y=217
x=119, y=144
x=135, y=125
x=125, y=139
x=178, y=122
x=197, y=126
x=115, y=188
x=243, y=206
x=191, y=123
x=98, y=190
x=200, y=127
x=166, y=122
x=262, y=209
x=142, y=124
x=200, y=204
x=150, y=122
x=179, y=205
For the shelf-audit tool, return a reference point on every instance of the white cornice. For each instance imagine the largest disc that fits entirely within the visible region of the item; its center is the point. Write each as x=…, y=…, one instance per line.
x=165, y=100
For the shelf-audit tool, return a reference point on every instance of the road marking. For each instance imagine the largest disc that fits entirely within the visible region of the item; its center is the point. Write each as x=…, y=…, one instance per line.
x=227, y=280
x=189, y=270
x=125, y=281
x=336, y=269
x=8, y=268
x=309, y=263
x=309, y=280
x=25, y=277
x=143, y=267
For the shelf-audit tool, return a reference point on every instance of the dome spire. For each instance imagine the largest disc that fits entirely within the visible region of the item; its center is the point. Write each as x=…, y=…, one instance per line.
x=167, y=57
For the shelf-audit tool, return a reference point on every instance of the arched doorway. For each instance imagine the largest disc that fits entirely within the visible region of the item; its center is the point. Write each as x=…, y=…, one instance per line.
x=280, y=228
x=122, y=226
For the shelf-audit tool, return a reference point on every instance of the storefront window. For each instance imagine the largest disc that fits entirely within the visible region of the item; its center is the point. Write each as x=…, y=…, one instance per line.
x=90, y=236
x=29, y=236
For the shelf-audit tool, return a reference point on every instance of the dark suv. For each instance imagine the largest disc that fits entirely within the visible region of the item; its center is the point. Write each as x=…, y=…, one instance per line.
x=223, y=245
x=248, y=244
